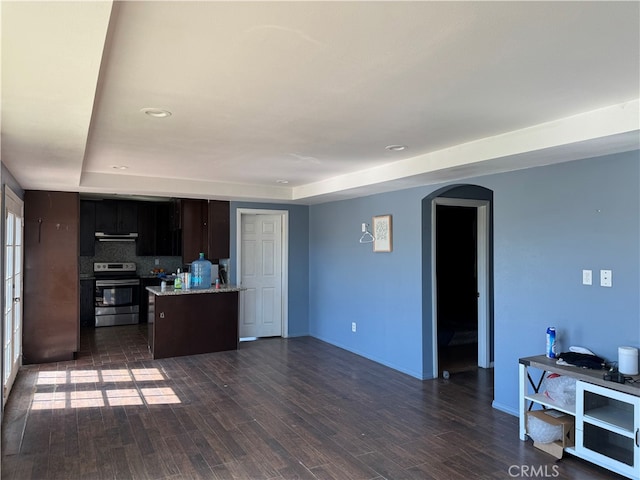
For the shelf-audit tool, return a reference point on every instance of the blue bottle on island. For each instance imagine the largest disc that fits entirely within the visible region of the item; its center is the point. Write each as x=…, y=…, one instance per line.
x=201, y=273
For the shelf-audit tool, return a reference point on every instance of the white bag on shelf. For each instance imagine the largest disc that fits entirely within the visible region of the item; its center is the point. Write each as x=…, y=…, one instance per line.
x=560, y=389
x=541, y=431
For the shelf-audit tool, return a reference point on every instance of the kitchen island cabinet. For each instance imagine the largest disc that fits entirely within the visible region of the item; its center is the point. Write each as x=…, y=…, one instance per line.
x=191, y=322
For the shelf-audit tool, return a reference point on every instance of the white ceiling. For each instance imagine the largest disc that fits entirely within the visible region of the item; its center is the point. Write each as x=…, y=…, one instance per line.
x=311, y=93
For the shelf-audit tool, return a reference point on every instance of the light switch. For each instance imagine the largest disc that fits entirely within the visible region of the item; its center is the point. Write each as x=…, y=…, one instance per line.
x=587, y=277
x=605, y=278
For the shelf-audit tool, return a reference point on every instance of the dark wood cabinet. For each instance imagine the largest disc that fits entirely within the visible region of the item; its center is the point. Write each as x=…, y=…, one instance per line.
x=127, y=217
x=205, y=228
x=191, y=324
x=116, y=216
x=51, y=297
x=87, y=303
x=146, y=243
x=144, y=296
x=218, y=230
x=155, y=233
x=175, y=214
x=166, y=243
x=87, y=228
x=195, y=236
x=106, y=216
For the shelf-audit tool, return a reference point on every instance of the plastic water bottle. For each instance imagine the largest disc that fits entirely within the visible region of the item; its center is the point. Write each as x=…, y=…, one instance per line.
x=551, y=342
x=201, y=273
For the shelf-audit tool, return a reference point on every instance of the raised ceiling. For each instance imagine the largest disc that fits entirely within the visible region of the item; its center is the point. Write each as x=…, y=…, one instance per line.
x=310, y=93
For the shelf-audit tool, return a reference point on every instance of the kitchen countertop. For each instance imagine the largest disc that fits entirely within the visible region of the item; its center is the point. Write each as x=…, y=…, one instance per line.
x=181, y=291
x=166, y=278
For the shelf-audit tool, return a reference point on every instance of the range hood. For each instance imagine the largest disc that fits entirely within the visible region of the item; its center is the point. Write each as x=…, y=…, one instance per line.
x=116, y=237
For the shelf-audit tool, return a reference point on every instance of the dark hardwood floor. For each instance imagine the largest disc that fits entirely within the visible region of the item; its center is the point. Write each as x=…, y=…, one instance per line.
x=275, y=409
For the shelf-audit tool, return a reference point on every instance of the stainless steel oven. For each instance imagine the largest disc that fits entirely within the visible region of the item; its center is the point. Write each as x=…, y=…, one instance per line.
x=117, y=294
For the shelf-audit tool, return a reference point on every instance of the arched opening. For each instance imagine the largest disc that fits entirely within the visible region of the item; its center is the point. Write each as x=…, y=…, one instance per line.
x=457, y=278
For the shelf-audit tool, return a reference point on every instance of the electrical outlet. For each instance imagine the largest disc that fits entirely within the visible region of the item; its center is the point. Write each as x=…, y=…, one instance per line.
x=605, y=278
x=587, y=278
x=157, y=261
x=353, y=327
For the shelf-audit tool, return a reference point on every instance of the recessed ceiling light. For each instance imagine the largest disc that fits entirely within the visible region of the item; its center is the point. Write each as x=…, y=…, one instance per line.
x=396, y=148
x=282, y=181
x=119, y=167
x=156, y=112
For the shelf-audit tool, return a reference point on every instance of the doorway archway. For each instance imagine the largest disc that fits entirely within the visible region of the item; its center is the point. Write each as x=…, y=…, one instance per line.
x=480, y=199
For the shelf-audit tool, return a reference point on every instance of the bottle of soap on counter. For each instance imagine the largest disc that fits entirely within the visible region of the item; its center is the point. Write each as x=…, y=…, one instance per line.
x=201, y=273
x=177, y=283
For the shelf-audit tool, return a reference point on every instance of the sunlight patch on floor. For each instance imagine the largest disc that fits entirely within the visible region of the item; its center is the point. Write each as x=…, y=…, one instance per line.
x=105, y=396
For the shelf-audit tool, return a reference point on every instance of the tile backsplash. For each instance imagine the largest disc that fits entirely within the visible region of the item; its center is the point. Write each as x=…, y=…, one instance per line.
x=126, y=252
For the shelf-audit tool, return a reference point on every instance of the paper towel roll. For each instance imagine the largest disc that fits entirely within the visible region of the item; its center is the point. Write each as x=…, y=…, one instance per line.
x=628, y=360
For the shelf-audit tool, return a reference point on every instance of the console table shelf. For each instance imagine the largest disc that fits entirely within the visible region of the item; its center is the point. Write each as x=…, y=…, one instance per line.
x=606, y=414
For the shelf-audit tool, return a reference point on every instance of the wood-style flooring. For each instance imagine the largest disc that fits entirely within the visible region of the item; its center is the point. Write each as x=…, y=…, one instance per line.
x=274, y=409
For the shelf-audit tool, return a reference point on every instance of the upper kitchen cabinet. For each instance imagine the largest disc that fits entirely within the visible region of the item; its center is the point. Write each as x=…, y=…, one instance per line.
x=155, y=233
x=205, y=228
x=167, y=238
x=194, y=220
x=87, y=228
x=146, y=244
x=117, y=216
x=51, y=298
x=218, y=229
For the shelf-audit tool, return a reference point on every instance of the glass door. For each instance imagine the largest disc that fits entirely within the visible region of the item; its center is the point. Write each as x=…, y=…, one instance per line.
x=12, y=332
x=608, y=428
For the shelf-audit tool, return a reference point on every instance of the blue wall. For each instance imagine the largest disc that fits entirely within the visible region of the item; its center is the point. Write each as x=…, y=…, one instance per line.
x=381, y=292
x=550, y=223
x=298, y=260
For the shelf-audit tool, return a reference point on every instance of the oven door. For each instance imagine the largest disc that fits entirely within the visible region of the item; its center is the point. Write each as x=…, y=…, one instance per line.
x=117, y=302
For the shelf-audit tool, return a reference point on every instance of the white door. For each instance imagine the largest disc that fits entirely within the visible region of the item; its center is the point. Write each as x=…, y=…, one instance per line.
x=12, y=341
x=261, y=275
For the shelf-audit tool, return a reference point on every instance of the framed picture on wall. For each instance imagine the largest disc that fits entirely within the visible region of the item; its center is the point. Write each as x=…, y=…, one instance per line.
x=382, y=233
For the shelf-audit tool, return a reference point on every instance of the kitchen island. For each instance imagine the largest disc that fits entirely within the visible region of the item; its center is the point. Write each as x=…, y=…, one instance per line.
x=192, y=321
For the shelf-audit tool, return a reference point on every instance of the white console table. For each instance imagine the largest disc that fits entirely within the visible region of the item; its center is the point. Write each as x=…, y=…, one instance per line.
x=607, y=414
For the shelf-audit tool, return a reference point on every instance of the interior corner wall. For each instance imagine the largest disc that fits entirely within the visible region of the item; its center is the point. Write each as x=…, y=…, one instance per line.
x=298, y=284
